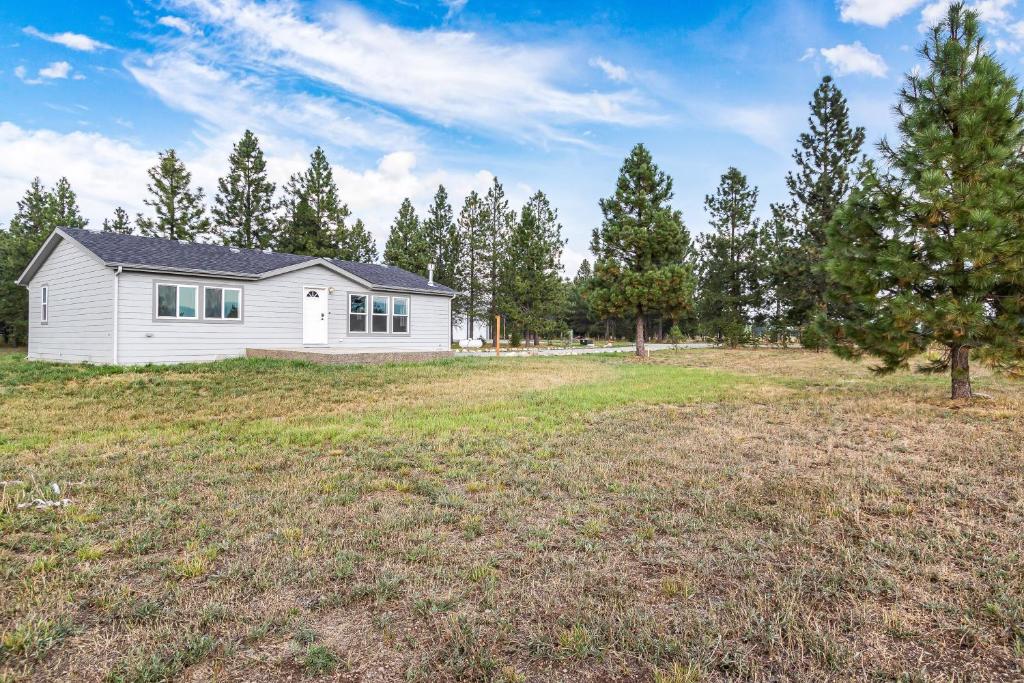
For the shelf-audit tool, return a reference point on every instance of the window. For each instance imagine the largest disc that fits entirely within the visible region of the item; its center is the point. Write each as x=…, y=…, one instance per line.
x=222, y=303
x=380, y=314
x=177, y=301
x=357, y=313
x=44, y=304
x=400, y=315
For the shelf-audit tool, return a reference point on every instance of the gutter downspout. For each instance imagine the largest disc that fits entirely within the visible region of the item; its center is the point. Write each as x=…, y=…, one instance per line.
x=117, y=281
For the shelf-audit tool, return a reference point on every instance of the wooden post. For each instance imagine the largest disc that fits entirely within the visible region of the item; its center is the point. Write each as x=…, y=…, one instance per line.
x=497, y=335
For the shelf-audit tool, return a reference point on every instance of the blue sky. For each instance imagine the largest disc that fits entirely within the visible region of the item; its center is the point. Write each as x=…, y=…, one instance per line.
x=404, y=94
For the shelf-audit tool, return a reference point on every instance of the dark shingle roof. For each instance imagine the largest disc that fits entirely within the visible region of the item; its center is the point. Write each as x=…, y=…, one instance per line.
x=165, y=254
x=390, y=276
x=158, y=252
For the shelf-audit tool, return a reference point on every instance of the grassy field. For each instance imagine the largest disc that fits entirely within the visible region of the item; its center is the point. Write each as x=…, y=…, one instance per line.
x=705, y=515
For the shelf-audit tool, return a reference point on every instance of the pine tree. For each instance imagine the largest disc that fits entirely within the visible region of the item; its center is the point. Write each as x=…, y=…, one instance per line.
x=445, y=246
x=242, y=211
x=730, y=291
x=407, y=245
x=180, y=214
x=535, y=290
x=641, y=248
x=931, y=252
x=39, y=213
x=120, y=223
x=472, y=224
x=64, y=212
x=580, y=315
x=781, y=261
x=320, y=230
x=357, y=244
x=825, y=162
x=492, y=256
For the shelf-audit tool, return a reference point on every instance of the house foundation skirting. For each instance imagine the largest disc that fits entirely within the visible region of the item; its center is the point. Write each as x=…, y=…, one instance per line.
x=332, y=357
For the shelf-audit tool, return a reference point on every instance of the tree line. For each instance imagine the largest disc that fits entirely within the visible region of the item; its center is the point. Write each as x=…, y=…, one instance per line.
x=918, y=252
x=922, y=248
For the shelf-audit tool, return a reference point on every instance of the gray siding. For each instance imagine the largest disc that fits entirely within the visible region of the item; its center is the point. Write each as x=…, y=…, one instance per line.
x=81, y=308
x=271, y=318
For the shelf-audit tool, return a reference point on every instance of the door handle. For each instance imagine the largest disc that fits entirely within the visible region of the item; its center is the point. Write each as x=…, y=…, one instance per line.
x=321, y=316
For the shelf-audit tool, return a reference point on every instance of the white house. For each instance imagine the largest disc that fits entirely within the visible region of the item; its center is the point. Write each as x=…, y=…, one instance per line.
x=103, y=297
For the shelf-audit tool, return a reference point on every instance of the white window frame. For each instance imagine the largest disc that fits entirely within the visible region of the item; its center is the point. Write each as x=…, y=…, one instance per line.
x=44, y=304
x=177, y=301
x=223, y=318
x=386, y=314
x=366, y=315
x=407, y=315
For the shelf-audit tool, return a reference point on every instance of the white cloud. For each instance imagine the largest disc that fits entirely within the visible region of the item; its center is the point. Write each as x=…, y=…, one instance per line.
x=445, y=76
x=874, y=12
x=106, y=172
x=854, y=59
x=75, y=41
x=177, y=23
x=55, y=70
x=993, y=12
x=611, y=70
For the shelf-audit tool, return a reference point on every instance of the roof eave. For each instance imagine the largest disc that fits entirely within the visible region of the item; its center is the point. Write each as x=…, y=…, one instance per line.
x=142, y=268
x=413, y=290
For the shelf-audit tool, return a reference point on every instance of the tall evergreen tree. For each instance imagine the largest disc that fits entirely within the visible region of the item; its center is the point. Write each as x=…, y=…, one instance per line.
x=931, y=252
x=357, y=244
x=472, y=225
x=64, y=212
x=179, y=211
x=535, y=290
x=446, y=249
x=580, y=316
x=39, y=213
x=120, y=223
x=825, y=161
x=730, y=291
x=781, y=262
x=407, y=245
x=492, y=249
x=641, y=248
x=319, y=230
x=243, y=206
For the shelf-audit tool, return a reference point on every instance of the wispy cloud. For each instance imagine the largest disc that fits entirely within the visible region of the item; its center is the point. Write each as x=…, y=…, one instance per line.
x=449, y=77
x=228, y=101
x=768, y=125
x=611, y=70
x=178, y=24
x=454, y=7
x=74, y=41
x=854, y=59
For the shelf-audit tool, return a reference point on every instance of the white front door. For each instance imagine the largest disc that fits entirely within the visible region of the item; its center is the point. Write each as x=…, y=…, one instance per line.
x=314, y=315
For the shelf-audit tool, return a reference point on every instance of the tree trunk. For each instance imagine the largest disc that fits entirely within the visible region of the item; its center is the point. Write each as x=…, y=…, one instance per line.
x=960, y=371
x=641, y=348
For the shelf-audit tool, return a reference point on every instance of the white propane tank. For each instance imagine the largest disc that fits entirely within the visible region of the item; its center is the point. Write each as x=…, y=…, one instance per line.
x=470, y=343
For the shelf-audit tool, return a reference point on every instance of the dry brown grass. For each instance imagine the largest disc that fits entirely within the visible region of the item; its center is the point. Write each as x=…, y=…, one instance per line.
x=707, y=515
